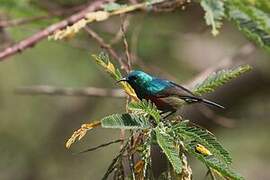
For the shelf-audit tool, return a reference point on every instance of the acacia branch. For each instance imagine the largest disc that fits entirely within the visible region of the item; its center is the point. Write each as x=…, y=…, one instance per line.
x=108, y=47
x=32, y=40
x=126, y=65
x=55, y=13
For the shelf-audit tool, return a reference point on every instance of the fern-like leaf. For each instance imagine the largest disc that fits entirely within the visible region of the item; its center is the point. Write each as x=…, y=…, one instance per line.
x=170, y=148
x=214, y=13
x=251, y=20
x=218, y=79
x=202, y=136
x=145, y=108
x=104, y=61
x=213, y=162
x=125, y=121
x=217, y=157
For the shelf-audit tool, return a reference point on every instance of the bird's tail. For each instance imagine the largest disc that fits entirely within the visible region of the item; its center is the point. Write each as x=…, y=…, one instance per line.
x=212, y=103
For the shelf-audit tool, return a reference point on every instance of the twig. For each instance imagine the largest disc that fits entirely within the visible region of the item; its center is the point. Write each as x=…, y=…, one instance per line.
x=89, y=91
x=32, y=40
x=60, y=12
x=210, y=172
x=131, y=156
x=126, y=45
x=114, y=161
x=101, y=146
x=119, y=34
x=108, y=47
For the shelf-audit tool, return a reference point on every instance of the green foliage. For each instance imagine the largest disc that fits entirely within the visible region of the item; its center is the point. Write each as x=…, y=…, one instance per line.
x=213, y=162
x=169, y=147
x=252, y=21
x=261, y=4
x=145, y=108
x=103, y=60
x=214, y=13
x=218, y=79
x=204, y=137
x=125, y=121
x=252, y=17
x=219, y=159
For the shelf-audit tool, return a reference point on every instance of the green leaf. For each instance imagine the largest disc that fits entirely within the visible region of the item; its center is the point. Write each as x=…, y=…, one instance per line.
x=214, y=13
x=103, y=60
x=145, y=108
x=125, y=121
x=218, y=79
x=204, y=137
x=171, y=150
x=219, y=159
x=213, y=162
x=251, y=20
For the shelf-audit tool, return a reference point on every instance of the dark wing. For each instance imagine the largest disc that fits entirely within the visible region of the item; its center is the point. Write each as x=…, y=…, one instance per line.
x=173, y=94
x=183, y=88
x=176, y=90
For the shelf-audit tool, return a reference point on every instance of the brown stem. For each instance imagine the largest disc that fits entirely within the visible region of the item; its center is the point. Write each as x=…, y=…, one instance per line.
x=108, y=47
x=32, y=40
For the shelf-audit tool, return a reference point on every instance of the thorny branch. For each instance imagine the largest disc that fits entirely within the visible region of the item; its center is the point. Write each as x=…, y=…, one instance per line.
x=32, y=40
x=108, y=47
x=18, y=22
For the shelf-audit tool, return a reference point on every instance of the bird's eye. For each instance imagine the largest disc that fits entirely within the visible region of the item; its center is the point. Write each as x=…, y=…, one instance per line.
x=133, y=78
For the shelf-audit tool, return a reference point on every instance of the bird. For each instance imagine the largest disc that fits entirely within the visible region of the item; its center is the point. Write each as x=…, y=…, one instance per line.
x=167, y=95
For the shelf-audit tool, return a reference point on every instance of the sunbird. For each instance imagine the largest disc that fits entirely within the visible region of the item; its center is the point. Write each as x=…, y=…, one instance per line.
x=166, y=95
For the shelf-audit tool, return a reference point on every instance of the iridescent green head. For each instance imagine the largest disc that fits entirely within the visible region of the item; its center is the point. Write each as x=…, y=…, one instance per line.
x=138, y=78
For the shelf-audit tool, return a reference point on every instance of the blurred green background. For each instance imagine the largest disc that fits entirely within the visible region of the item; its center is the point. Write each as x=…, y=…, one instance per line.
x=34, y=129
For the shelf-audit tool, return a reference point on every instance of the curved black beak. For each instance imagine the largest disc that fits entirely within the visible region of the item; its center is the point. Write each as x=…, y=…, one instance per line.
x=121, y=80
